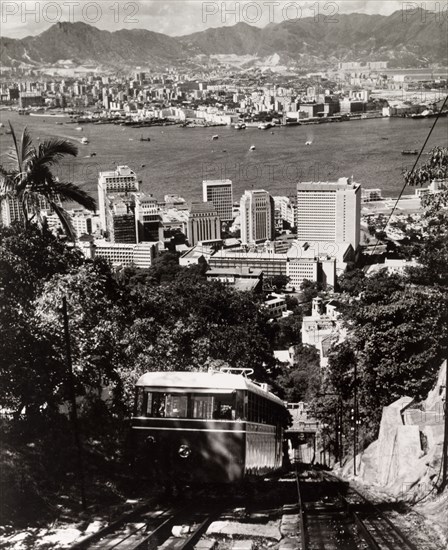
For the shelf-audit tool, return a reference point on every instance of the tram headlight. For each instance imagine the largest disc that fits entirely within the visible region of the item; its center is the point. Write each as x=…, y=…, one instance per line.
x=184, y=451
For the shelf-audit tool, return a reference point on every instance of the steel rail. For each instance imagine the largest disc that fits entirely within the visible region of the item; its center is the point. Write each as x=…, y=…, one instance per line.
x=381, y=516
x=303, y=538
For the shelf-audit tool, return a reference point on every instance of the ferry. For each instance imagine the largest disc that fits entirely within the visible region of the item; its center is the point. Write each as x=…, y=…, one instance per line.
x=50, y=115
x=85, y=141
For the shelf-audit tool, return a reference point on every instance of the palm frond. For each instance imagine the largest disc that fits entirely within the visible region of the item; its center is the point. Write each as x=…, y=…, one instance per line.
x=27, y=149
x=71, y=192
x=52, y=150
x=65, y=221
x=16, y=156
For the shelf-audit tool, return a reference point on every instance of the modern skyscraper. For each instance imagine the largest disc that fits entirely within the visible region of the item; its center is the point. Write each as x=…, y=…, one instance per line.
x=123, y=180
x=329, y=211
x=203, y=223
x=257, y=216
x=120, y=221
x=219, y=192
x=148, y=220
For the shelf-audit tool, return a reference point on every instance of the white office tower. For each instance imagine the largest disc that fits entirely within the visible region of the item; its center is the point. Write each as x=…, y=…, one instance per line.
x=219, y=192
x=148, y=221
x=122, y=180
x=257, y=216
x=329, y=211
x=203, y=223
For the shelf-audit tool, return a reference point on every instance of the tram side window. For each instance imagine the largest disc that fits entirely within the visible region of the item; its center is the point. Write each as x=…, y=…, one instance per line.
x=139, y=402
x=202, y=406
x=176, y=406
x=224, y=407
x=156, y=404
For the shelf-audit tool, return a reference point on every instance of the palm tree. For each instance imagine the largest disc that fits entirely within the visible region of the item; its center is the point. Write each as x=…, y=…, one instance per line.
x=32, y=180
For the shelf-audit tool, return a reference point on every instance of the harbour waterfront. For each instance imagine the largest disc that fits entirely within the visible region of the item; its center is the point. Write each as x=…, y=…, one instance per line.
x=176, y=159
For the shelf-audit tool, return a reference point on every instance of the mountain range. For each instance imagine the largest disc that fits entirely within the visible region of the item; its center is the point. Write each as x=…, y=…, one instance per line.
x=304, y=42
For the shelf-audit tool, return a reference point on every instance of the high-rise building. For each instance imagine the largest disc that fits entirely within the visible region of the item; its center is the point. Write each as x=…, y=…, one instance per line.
x=148, y=221
x=284, y=211
x=219, y=192
x=11, y=210
x=122, y=180
x=204, y=223
x=257, y=216
x=329, y=211
x=120, y=220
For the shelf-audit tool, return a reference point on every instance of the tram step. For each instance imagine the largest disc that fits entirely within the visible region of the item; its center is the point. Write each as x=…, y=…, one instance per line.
x=289, y=543
x=289, y=525
x=242, y=544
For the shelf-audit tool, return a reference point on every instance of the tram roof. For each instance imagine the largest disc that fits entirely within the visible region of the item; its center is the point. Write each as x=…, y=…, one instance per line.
x=203, y=380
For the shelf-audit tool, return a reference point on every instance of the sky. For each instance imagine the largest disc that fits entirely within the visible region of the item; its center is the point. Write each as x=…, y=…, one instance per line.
x=179, y=17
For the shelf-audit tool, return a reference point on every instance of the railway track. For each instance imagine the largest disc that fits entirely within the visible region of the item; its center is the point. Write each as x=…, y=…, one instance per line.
x=168, y=529
x=320, y=512
x=339, y=517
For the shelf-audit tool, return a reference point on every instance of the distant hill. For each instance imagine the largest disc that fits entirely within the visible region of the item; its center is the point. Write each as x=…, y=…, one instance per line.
x=354, y=37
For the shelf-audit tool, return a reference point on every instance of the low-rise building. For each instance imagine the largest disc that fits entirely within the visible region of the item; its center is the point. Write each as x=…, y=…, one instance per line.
x=139, y=255
x=245, y=279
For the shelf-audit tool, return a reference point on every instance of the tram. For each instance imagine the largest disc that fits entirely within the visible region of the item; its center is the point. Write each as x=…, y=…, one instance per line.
x=207, y=427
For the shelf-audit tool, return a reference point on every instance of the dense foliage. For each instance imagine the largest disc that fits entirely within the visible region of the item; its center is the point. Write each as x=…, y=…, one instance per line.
x=121, y=324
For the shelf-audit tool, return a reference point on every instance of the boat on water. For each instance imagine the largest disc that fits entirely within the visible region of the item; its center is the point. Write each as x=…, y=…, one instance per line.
x=79, y=129
x=145, y=138
x=85, y=141
x=215, y=136
x=93, y=154
x=252, y=148
x=50, y=115
x=428, y=113
x=265, y=125
x=308, y=142
x=409, y=152
x=240, y=126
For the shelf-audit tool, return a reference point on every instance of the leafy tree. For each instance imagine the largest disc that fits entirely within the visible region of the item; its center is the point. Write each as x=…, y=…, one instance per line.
x=165, y=267
x=96, y=318
x=32, y=179
x=301, y=381
x=279, y=281
x=309, y=290
x=352, y=282
x=29, y=258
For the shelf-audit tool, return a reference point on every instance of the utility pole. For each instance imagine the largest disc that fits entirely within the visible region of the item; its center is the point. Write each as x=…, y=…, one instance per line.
x=445, y=436
x=355, y=418
x=74, y=412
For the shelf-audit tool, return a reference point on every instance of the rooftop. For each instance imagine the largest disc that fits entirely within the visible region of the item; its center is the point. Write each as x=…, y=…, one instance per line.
x=236, y=271
x=342, y=184
x=203, y=207
x=122, y=170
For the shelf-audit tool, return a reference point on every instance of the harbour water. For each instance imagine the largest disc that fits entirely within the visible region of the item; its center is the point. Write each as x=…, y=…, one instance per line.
x=176, y=159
